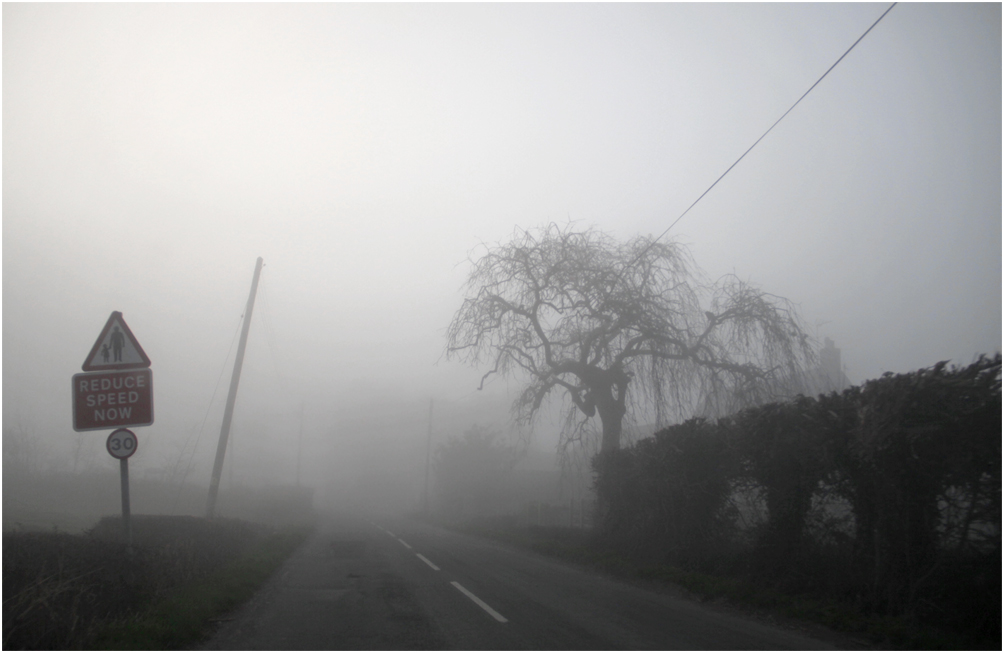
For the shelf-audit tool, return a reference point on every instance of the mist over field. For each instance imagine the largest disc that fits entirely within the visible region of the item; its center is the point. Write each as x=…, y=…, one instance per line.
x=367, y=152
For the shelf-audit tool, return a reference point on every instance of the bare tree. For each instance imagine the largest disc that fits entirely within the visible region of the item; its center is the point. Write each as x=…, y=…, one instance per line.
x=577, y=311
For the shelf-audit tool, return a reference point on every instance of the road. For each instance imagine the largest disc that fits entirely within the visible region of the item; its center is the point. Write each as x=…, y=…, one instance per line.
x=398, y=584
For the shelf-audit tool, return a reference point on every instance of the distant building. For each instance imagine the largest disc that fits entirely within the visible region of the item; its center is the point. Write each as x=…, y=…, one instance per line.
x=829, y=375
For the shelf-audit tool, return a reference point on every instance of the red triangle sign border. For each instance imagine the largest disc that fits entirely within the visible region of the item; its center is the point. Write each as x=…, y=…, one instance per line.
x=91, y=367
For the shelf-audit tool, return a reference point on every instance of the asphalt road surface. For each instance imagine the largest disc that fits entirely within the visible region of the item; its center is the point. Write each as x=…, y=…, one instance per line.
x=397, y=584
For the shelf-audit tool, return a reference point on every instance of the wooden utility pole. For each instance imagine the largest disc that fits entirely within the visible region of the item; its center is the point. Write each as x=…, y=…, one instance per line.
x=228, y=413
x=299, y=446
x=428, y=450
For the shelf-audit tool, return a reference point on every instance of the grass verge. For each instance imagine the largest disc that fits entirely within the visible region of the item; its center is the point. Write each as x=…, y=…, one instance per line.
x=80, y=591
x=185, y=615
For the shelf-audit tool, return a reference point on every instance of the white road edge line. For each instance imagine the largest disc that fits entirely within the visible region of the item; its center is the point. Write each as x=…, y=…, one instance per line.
x=427, y=561
x=404, y=543
x=389, y=533
x=484, y=606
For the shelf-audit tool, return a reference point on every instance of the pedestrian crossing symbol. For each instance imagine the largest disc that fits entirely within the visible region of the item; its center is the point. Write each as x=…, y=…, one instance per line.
x=116, y=348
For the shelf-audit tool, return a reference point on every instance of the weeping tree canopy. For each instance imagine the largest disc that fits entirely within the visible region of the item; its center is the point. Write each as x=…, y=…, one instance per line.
x=578, y=312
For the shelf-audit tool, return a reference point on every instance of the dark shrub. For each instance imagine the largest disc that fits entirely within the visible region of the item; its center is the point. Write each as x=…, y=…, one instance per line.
x=899, y=479
x=668, y=493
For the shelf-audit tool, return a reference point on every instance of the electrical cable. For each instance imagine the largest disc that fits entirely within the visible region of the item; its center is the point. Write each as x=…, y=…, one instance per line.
x=650, y=245
x=188, y=468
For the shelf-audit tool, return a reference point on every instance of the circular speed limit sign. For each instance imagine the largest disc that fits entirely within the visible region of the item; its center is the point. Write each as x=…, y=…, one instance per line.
x=121, y=443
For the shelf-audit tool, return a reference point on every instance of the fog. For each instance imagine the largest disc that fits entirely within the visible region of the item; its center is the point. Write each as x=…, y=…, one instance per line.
x=152, y=152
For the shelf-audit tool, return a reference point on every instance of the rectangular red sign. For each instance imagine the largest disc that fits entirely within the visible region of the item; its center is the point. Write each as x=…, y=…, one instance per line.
x=110, y=400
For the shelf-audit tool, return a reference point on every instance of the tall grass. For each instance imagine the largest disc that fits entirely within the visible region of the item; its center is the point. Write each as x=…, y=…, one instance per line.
x=67, y=591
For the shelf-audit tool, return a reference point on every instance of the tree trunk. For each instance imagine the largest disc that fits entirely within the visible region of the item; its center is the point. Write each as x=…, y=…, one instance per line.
x=611, y=410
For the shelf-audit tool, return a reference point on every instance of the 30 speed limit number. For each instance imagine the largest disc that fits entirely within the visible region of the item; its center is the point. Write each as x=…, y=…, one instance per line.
x=121, y=443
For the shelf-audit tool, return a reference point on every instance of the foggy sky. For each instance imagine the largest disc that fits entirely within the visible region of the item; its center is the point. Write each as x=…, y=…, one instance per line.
x=152, y=152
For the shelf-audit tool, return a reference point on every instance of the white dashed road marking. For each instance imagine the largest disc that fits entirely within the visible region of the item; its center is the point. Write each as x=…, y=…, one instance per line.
x=463, y=590
x=484, y=606
x=427, y=561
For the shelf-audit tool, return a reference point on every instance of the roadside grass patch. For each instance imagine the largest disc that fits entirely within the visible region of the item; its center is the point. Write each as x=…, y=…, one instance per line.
x=65, y=591
x=185, y=615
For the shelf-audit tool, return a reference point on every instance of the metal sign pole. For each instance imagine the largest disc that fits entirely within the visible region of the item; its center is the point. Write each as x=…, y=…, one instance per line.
x=121, y=444
x=126, y=520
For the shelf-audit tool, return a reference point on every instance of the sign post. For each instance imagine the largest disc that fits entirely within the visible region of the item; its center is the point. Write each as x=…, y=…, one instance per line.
x=115, y=390
x=121, y=444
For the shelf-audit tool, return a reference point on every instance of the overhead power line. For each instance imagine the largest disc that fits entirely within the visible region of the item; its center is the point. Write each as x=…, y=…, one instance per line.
x=188, y=468
x=767, y=132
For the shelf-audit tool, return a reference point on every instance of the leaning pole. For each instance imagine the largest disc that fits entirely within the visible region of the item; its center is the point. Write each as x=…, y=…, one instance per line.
x=228, y=413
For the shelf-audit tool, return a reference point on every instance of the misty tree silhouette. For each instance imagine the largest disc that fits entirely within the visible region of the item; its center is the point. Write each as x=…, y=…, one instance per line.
x=579, y=312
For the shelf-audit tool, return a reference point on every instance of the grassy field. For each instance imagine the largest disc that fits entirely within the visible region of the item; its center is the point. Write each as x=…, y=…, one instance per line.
x=64, y=591
x=579, y=547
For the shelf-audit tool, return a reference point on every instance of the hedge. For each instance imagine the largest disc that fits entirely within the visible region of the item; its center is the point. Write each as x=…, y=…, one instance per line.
x=887, y=495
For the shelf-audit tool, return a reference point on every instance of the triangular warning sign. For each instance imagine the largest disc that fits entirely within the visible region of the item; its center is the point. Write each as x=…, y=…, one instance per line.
x=116, y=348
